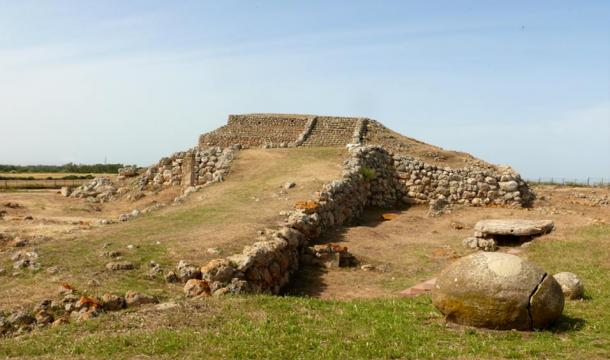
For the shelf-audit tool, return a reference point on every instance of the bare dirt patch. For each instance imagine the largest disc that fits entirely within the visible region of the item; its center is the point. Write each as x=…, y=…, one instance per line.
x=412, y=247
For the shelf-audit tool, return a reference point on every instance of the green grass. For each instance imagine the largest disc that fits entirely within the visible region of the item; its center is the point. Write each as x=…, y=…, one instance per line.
x=267, y=327
x=78, y=255
x=368, y=173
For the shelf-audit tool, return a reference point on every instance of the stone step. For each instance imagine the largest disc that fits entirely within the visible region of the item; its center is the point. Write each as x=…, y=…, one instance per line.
x=331, y=132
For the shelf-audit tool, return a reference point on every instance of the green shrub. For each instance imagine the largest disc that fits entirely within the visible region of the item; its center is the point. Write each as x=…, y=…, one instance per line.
x=368, y=173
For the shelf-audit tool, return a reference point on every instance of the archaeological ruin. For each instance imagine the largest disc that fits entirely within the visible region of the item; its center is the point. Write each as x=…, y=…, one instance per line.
x=380, y=171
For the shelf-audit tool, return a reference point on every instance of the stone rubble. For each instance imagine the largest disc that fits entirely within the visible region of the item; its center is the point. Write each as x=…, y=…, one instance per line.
x=25, y=260
x=71, y=306
x=98, y=190
x=127, y=172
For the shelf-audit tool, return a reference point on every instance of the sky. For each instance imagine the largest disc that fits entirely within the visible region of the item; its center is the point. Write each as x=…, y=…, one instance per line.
x=525, y=83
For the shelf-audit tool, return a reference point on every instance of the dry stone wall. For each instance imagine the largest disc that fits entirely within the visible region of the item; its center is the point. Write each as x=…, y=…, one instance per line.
x=255, y=130
x=371, y=177
x=422, y=183
x=268, y=264
x=197, y=166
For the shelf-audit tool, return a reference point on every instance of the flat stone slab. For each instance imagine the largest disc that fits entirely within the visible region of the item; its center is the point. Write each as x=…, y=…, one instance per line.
x=514, y=227
x=421, y=288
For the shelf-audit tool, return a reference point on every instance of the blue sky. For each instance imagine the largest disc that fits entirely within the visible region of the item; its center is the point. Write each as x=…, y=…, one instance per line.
x=522, y=83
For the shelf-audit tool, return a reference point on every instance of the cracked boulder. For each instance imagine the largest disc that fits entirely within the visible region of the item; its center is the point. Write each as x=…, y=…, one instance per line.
x=498, y=291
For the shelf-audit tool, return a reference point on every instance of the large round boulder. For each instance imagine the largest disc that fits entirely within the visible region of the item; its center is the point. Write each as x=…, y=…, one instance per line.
x=571, y=285
x=498, y=291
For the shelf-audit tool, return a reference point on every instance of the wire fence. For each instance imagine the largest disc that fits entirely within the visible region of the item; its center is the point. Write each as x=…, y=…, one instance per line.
x=41, y=183
x=589, y=181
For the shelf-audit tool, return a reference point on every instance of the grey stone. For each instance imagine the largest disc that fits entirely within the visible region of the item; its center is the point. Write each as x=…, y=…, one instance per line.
x=498, y=291
x=66, y=191
x=120, y=265
x=133, y=298
x=509, y=186
x=21, y=317
x=571, y=285
x=515, y=227
x=112, y=302
x=187, y=271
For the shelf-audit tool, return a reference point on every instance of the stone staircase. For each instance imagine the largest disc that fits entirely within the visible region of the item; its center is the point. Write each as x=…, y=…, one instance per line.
x=330, y=131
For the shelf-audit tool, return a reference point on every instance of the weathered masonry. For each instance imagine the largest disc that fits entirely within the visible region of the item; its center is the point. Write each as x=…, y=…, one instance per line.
x=279, y=130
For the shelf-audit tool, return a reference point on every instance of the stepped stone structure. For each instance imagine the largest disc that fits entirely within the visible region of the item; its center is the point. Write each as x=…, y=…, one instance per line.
x=257, y=130
x=285, y=130
x=291, y=130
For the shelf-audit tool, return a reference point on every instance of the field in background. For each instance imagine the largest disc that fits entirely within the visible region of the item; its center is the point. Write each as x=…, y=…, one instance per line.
x=588, y=181
x=11, y=181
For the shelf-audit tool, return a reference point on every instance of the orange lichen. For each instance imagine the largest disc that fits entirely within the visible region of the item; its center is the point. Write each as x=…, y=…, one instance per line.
x=338, y=248
x=330, y=248
x=308, y=206
x=68, y=286
x=89, y=302
x=389, y=216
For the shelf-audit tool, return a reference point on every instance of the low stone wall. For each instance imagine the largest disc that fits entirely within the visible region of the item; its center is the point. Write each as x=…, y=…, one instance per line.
x=371, y=177
x=197, y=166
x=422, y=183
x=359, y=131
x=267, y=265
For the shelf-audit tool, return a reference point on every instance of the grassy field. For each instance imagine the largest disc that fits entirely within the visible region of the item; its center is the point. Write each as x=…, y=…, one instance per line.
x=266, y=327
